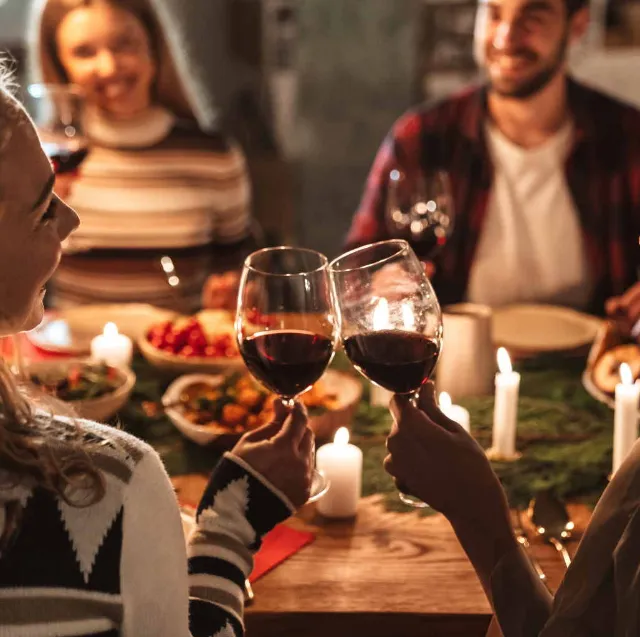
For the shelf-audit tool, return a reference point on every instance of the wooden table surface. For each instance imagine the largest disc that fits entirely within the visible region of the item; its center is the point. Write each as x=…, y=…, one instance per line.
x=381, y=575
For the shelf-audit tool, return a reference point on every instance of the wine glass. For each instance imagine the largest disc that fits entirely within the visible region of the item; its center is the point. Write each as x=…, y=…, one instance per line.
x=390, y=319
x=57, y=111
x=285, y=324
x=419, y=209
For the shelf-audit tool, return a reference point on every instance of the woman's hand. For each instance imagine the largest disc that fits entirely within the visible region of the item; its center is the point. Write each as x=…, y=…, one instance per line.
x=434, y=459
x=282, y=452
x=221, y=291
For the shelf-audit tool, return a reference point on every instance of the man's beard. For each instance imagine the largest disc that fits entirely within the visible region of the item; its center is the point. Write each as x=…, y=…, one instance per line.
x=541, y=80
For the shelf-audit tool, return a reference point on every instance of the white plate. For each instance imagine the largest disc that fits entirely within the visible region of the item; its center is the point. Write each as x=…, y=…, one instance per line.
x=71, y=330
x=543, y=328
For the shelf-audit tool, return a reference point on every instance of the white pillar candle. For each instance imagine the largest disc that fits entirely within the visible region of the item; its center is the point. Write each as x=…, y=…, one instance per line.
x=625, y=426
x=505, y=414
x=341, y=463
x=457, y=413
x=112, y=348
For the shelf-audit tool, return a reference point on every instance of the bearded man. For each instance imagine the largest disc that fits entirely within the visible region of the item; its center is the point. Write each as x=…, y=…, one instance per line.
x=544, y=173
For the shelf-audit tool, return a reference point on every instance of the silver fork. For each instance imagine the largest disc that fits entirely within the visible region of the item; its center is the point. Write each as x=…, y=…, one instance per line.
x=523, y=540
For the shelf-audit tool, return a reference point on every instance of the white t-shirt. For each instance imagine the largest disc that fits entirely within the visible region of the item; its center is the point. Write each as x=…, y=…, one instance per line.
x=531, y=248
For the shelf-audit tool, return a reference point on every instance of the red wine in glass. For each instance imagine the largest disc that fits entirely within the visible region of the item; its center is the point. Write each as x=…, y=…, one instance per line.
x=64, y=159
x=288, y=362
x=419, y=209
x=399, y=361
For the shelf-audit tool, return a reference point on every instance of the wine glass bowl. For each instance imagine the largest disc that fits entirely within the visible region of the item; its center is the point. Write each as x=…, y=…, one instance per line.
x=389, y=316
x=419, y=209
x=57, y=111
x=285, y=323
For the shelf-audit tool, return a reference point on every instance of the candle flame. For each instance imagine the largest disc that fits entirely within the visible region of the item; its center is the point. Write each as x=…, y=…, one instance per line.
x=408, y=317
x=381, y=316
x=110, y=330
x=445, y=400
x=504, y=362
x=626, y=375
x=341, y=437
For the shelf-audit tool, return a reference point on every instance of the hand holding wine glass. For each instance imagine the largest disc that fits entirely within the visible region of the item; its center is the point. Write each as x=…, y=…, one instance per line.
x=285, y=324
x=390, y=318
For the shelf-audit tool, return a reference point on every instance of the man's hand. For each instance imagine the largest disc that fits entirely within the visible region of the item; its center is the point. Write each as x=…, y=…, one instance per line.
x=625, y=309
x=282, y=452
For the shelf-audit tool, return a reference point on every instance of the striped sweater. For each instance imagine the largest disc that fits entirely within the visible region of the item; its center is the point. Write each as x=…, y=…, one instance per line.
x=119, y=567
x=186, y=189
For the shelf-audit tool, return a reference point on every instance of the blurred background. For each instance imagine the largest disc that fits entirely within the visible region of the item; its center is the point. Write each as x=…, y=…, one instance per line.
x=310, y=87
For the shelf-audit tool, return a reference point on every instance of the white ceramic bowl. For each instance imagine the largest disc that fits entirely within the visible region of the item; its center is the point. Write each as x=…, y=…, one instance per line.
x=99, y=409
x=324, y=425
x=175, y=364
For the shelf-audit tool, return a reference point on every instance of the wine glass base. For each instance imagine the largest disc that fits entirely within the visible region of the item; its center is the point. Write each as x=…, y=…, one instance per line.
x=413, y=502
x=319, y=486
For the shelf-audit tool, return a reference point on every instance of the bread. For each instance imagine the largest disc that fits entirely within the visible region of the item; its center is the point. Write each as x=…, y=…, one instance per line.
x=606, y=370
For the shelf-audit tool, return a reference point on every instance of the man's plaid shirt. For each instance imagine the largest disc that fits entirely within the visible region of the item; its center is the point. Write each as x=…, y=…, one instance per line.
x=602, y=171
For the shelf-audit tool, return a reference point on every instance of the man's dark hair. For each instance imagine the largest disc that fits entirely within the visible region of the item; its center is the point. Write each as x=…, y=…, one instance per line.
x=575, y=5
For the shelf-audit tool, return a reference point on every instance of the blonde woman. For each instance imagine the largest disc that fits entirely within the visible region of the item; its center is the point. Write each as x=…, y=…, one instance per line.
x=91, y=541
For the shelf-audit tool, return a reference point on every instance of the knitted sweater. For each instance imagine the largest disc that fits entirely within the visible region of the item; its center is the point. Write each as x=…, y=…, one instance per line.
x=120, y=567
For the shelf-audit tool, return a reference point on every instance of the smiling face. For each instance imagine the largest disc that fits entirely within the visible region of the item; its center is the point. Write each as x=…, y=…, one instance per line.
x=107, y=52
x=33, y=223
x=523, y=43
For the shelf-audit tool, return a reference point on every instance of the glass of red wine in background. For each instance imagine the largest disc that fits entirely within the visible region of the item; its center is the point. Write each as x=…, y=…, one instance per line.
x=419, y=209
x=57, y=111
x=285, y=324
x=389, y=316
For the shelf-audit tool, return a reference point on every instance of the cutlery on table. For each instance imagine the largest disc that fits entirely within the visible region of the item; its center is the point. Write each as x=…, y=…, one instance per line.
x=552, y=522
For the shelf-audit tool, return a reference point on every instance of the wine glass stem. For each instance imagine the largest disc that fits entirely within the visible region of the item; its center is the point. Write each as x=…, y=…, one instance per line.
x=289, y=403
x=414, y=397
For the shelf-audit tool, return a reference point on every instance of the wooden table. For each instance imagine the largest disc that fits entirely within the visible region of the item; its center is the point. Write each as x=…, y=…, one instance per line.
x=381, y=575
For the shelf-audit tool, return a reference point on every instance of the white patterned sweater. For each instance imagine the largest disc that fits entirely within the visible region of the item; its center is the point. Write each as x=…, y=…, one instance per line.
x=120, y=567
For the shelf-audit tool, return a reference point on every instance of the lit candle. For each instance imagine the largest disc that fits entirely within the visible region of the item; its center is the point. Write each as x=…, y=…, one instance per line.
x=456, y=413
x=505, y=414
x=341, y=463
x=625, y=426
x=112, y=348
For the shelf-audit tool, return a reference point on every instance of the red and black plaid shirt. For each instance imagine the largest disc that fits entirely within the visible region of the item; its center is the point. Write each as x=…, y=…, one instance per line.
x=602, y=171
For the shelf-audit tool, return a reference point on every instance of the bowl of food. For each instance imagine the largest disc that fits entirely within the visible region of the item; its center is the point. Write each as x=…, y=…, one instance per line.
x=218, y=409
x=204, y=343
x=93, y=390
x=609, y=351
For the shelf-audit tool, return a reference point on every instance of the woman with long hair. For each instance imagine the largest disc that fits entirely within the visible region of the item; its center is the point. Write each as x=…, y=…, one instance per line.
x=91, y=540
x=161, y=179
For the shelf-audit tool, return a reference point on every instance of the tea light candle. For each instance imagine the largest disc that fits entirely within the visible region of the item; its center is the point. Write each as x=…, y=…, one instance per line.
x=505, y=414
x=112, y=348
x=341, y=463
x=456, y=413
x=625, y=424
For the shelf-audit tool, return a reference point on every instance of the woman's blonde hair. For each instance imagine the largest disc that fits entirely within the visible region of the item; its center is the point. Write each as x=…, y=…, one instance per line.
x=169, y=88
x=50, y=452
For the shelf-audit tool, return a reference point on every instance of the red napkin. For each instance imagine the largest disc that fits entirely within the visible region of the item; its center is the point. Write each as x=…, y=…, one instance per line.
x=278, y=545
